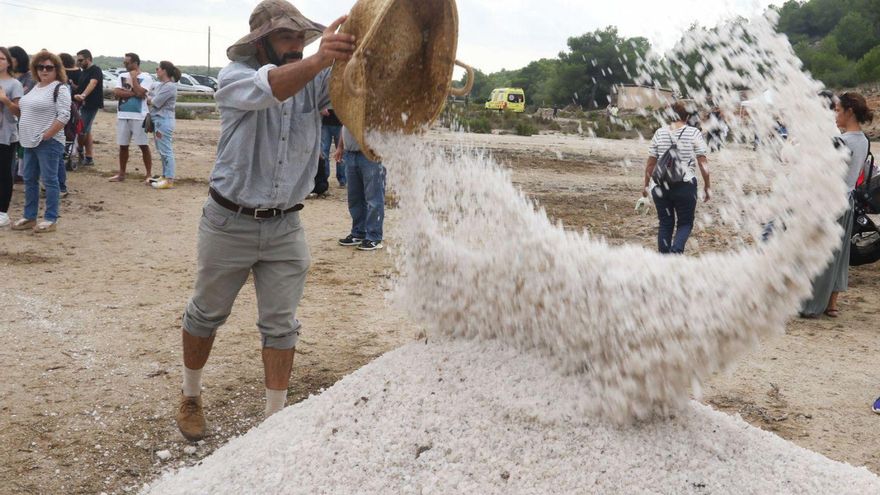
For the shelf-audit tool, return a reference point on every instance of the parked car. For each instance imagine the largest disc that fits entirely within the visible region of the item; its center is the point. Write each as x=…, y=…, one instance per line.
x=190, y=84
x=109, y=84
x=205, y=81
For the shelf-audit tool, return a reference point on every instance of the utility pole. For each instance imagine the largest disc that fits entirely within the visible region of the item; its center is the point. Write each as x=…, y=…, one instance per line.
x=209, y=50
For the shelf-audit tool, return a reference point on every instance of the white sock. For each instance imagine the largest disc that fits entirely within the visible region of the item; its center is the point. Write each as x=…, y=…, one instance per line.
x=275, y=400
x=192, y=382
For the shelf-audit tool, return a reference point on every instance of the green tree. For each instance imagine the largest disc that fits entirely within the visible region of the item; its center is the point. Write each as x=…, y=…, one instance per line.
x=868, y=68
x=855, y=35
x=594, y=64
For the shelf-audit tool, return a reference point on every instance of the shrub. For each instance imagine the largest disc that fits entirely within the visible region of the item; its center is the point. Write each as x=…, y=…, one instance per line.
x=479, y=125
x=181, y=113
x=525, y=129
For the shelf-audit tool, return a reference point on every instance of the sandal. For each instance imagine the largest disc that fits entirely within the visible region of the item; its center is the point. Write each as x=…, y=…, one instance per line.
x=876, y=406
x=44, y=226
x=832, y=312
x=117, y=178
x=24, y=224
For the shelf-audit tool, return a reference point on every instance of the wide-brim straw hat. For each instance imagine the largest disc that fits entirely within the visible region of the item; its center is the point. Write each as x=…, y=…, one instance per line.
x=270, y=16
x=401, y=72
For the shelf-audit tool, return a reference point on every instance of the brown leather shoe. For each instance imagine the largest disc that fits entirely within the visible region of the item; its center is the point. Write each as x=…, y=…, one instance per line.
x=191, y=418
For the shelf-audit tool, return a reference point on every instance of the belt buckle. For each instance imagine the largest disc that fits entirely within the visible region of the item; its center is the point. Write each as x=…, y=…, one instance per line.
x=257, y=212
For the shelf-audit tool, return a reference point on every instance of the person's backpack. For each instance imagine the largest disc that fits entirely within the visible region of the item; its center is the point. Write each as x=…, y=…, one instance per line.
x=868, y=186
x=670, y=170
x=74, y=125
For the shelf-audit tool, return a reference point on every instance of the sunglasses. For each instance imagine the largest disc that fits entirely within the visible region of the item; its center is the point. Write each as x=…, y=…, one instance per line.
x=45, y=68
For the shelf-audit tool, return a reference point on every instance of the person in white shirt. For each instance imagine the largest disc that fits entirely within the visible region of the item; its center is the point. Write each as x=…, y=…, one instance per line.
x=44, y=112
x=131, y=91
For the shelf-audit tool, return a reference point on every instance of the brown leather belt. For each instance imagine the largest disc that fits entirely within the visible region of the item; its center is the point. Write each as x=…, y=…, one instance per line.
x=258, y=213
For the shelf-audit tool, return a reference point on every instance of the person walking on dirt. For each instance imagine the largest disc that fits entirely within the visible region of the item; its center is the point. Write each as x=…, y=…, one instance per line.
x=676, y=198
x=270, y=99
x=131, y=91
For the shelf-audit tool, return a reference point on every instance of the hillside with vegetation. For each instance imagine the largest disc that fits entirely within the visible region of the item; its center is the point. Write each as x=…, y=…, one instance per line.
x=838, y=41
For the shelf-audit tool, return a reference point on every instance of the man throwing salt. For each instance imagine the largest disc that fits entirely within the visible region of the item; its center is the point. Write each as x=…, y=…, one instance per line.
x=270, y=100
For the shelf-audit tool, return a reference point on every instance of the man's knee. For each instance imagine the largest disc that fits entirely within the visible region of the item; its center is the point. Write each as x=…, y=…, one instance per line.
x=200, y=323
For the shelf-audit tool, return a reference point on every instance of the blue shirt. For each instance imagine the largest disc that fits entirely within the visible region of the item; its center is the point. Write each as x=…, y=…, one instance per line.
x=268, y=152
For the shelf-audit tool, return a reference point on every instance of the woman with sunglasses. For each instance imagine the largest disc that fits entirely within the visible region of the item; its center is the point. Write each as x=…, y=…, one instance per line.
x=44, y=112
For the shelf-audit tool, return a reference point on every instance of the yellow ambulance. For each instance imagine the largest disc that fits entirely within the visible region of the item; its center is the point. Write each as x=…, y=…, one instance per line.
x=511, y=99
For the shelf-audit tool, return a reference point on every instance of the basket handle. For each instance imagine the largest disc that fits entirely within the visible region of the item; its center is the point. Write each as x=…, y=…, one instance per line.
x=349, y=77
x=469, y=85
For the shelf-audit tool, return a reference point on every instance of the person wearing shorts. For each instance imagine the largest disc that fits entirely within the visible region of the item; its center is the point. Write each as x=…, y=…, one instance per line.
x=90, y=94
x=131, y=91
x=270, y=99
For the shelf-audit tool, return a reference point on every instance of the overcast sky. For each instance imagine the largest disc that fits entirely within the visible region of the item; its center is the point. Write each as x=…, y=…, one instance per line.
x=494, y=34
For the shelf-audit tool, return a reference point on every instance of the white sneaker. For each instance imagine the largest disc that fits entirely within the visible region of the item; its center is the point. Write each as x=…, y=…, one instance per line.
x=4, y=219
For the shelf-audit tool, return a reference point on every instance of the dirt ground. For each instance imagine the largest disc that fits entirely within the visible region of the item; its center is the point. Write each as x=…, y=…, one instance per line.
x=90, y=334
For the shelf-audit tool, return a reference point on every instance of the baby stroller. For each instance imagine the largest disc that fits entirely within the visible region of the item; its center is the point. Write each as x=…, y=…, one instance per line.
x=72, y=130
x=865, y=240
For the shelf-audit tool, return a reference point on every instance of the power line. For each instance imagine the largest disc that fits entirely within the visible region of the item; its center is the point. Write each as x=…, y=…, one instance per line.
x=98, y=19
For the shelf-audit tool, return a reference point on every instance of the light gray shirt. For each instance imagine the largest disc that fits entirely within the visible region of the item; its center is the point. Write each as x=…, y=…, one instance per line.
x=268, y=152
x=8, y=120
x=858, y=147
x=349, y=143
x=163, y=99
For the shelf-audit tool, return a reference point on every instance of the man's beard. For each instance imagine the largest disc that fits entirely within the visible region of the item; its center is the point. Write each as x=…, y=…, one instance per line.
x=286, y=58
x=290, y=57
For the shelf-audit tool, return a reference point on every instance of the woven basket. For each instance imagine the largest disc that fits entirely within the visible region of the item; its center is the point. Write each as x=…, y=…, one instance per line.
x=401, y=73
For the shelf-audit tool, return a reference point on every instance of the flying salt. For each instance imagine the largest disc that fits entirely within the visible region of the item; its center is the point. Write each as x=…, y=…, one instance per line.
x=477, y=261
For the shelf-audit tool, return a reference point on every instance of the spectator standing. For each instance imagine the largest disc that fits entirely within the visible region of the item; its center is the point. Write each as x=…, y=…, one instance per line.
x=90, y=94
x=11, y=92
x=851, y=112
x=21, y=69
x=331, y=128
x=676, y=201
x=162, y=103
x=44, y=112
x=74, y=73
x=366, y=195
x=131, y=91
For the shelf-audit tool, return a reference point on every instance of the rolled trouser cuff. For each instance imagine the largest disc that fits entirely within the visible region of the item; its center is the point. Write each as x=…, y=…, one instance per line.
x=197, y=324
x=281, y=340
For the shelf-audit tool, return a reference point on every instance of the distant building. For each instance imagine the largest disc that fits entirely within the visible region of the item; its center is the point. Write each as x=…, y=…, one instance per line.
x=630, y=97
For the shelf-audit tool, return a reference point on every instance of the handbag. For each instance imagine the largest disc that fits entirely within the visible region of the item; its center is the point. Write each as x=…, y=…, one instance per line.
x=148, y=124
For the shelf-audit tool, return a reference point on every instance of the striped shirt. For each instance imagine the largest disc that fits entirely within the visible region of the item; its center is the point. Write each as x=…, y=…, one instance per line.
x=39, y=111
x=690, y=145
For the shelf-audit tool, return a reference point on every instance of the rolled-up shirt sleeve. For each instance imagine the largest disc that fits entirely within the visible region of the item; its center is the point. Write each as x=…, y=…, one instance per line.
x=62, y=105
x=245, y=88
x=322, y=82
